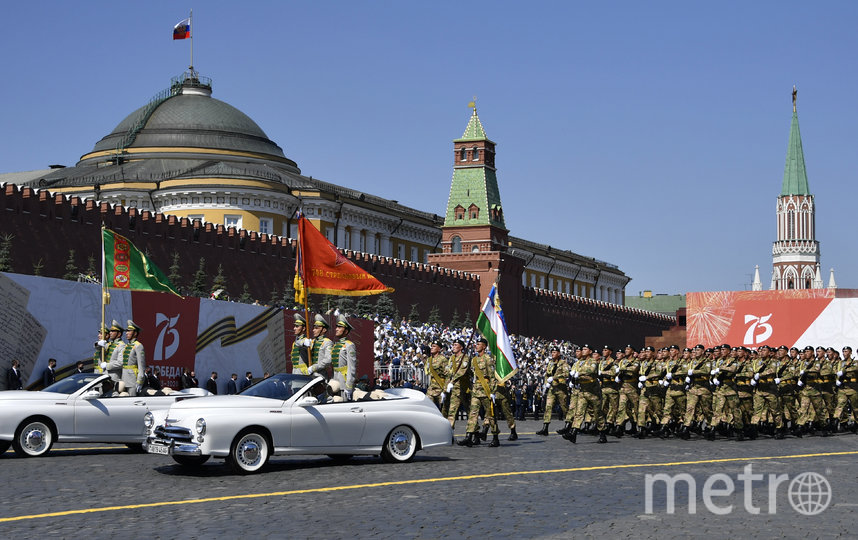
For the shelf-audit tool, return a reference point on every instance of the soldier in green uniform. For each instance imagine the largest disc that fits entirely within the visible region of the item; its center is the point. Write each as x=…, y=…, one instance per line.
x=436, y=367
x=812, y=407
x=556, y=375
x=629, y=392
x=502, y=403
x=458, y=380
x=590, y=397
x=675, y=401
x=698, y=396
x=828, y=387
x=745, y=388
x=847, y=389
x=723, y=377
x=787, y=382
x=766, y=400
x=609, y=371
x=651, y=403
x=574, y=392
x=482, y=395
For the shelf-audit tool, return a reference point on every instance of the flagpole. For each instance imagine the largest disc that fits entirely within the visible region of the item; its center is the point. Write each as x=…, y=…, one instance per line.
x=191, y=27
x=103, y=296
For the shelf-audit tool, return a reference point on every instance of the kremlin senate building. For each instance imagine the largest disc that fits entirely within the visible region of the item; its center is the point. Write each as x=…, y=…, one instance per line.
x=193, y=165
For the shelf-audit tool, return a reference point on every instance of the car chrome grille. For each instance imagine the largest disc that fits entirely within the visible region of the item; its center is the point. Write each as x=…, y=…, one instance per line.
x=178, y=434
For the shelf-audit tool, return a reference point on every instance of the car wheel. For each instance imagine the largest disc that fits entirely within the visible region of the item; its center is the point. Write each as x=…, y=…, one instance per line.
x=136, y=447
x=4, y=445
x=400, y=445
x=190, y=461
x=33, y=438
x=249, y=452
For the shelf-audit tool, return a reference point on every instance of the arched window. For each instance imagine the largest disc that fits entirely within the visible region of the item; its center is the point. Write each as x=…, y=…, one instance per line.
x=473, y=211
x=475, y=248
x=475, y=154
x=460, y=211
x=456, y=244
x=463, y=154
x=791, y=225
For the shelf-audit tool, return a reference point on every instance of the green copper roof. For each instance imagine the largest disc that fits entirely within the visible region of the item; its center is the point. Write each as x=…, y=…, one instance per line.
x=474, y=131
x=795, y=175
x=474, y=186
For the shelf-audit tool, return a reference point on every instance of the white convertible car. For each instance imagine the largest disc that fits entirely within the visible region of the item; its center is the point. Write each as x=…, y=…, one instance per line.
x=288, y=414
x=77, y=409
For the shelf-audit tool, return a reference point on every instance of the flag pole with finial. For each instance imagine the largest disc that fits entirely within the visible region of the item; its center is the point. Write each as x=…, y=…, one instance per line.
x=191, y=37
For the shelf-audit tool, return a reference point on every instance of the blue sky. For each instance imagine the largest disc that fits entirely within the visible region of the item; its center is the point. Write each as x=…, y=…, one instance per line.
x=651, y=135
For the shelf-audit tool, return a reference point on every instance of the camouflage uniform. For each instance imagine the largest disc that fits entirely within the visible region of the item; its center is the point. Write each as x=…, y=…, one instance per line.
x=766, y=400
x=726, y=394
x=608, y=376
x=651, y=403
x=482, y=391
x=847, y=390
x=437, y=366
x=590, y=397
x=629, y=392
x=812, y=407
x=675, y=401
x=829, y=379
x=698, y=396
x=558, y=371
x=460, y=377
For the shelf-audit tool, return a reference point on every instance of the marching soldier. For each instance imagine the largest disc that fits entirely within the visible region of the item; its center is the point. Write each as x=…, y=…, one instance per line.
x=436, y=367
x=556, y=375
x=629, y=392
x=812, y=408
x=744, y=388
x=766, y=402
x=650, y=404
x=723, y=377
x=699, y=396
x=590, y=395
x=609, y=371
x=847, y=389
x=344, y=357
x=675, y=401
x=458, y=380
x=300, y=352
x=319, y=348
x=828, y=387
x=482, y=395
x=502, y=401
x=133, y=360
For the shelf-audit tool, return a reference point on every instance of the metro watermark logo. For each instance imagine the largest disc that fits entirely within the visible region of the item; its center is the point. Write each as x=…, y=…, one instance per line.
x=809, y=493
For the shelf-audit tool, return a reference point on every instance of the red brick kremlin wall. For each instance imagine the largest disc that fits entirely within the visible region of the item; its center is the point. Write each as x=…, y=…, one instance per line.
x=46, y=226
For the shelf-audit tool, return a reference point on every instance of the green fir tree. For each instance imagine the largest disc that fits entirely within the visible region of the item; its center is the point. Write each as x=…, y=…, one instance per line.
x=38, y=267
x=175, y=275
x=467, y=323
x=454, y=320
x=245, y=297
x=385, y=307
x=435, y=316
x=364, y=307
x=414, y=315
x=198, y=288
x=6, y=253
x=90, y=267
x=71, y=268
x=219, y=284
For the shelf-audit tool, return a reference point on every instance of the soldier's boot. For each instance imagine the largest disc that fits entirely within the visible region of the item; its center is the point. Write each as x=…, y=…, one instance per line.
x=853, y=427
x=603, y=437
x=485, y=432
x=572, y=435
x=585, y=428
x=634, y=429
x=495, y=442
x=475, y=438
x=709, y=433
x=740, y=435
x=642, y=432
x=752, y=431
x=695, y=427
x=619, y=431
x=513, y=436
x=565, y=429
x=544, y=430
x=834, y=425
x=796, y=430
x=684, y=433
x=663, y=431
x=467, y=441
x=781, y=433
x=825, y=425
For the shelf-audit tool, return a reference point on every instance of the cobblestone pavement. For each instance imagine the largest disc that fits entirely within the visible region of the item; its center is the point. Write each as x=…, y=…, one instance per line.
x=541, y=488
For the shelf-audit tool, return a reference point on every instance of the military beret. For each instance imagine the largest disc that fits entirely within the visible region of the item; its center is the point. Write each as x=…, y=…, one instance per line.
x=808, y=348
x=554, y=348
x=687, y=349
x=630, y=347
x=725, y=346
x=320, y=321
x=649, y=348
x=585, y=346
x=783, y=348
x=673, y=347
x=847, y=348
x=436, y=342
x=461, y=342
x=607, y=347
x=700, y=346
x=483, y=340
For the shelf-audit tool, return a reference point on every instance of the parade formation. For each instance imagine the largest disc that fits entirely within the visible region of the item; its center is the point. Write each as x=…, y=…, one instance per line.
x=722, y=391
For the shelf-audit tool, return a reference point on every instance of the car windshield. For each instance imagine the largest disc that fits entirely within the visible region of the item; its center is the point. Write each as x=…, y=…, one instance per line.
x=72, y=383
x=281, y=386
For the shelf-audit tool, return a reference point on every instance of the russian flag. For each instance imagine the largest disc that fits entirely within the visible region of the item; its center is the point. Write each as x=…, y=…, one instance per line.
x=182, y=30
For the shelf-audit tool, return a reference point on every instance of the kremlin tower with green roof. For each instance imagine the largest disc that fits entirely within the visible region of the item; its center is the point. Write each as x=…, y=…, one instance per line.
x=795, y=254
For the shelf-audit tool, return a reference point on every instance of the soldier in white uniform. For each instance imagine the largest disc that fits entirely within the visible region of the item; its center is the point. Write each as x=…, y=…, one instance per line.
x=133, y=360
x=344, y=357
x=113, y=352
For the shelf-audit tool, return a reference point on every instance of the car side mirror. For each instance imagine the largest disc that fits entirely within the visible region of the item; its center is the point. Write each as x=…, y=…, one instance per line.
x=91, y=394
x=308, y=402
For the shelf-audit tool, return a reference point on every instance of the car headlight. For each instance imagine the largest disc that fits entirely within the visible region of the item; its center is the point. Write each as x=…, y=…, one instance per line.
x=148, y=420
x=201, y=426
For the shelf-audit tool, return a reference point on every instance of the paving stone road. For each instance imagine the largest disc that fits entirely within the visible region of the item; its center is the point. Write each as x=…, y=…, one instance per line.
x=540, y=488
